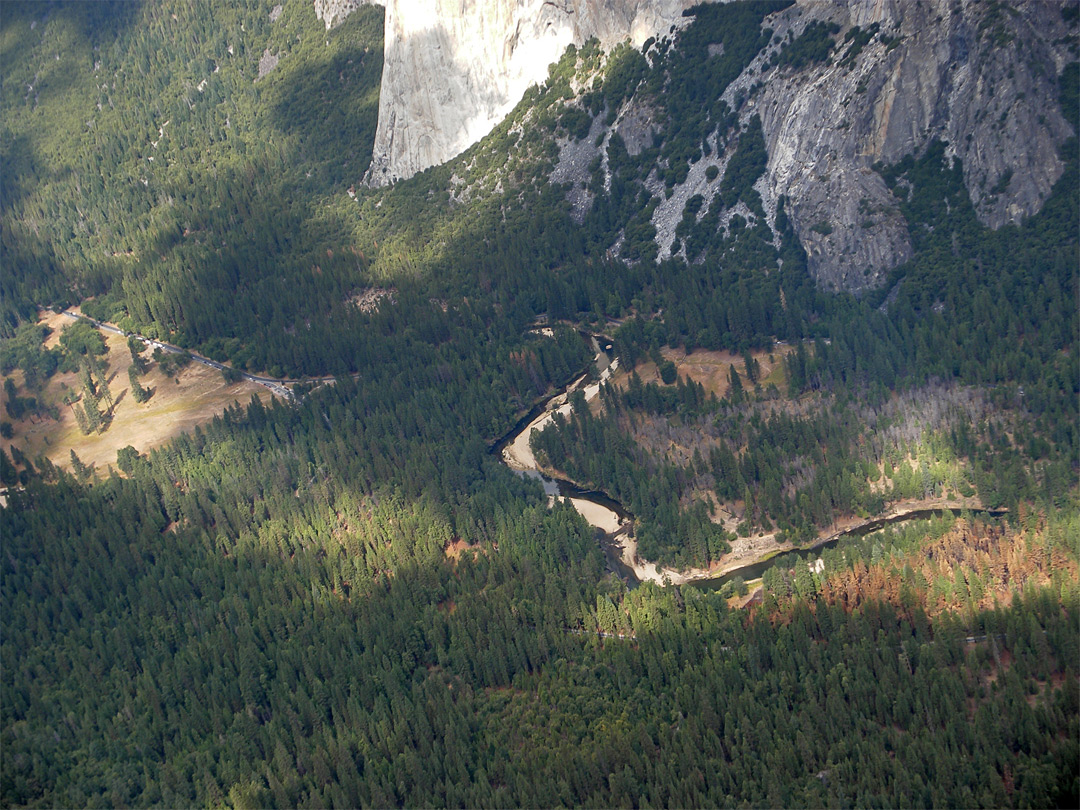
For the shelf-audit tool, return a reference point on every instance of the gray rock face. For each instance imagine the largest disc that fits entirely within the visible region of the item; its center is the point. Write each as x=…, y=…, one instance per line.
x=979, y=76
x=332, y=12
x=453, y=69
x=267, y=62
x=982, y=81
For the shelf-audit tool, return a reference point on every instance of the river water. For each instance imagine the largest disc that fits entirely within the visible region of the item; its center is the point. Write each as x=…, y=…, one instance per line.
x=755, y=570
x=603, y=513
x=608, y=516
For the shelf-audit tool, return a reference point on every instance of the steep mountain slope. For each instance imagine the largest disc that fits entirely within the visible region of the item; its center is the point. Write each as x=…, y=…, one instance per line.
x=838, y=88
x=333, y=12
x=346, y=600
x=976, y=76
x=141, y=143
x=685, y=151
x=454, y=70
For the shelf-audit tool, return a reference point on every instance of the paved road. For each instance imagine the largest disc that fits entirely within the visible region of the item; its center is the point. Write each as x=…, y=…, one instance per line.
x=277, y=386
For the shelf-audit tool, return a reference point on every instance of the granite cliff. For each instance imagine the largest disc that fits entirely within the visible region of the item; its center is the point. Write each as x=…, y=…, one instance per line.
x=980, y=77
x=454, y=68
x=893, y=77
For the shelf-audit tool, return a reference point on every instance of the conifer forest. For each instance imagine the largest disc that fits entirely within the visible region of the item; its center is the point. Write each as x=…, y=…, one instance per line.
x=846, y=571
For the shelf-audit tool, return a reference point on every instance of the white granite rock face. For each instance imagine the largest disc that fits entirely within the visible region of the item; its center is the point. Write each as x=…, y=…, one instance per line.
x=454, y=68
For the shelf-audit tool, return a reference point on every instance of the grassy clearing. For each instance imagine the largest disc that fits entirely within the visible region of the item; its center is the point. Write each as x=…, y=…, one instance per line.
x=712, y=368
x=194, y=396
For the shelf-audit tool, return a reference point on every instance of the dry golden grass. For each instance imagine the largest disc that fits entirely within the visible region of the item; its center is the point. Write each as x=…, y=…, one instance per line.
x=194, y=396
x=712, y=368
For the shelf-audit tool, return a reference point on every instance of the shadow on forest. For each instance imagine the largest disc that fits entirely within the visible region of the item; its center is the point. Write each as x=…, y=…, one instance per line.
x=20, y=171
x=242, y=264
x=33, y=274
x=331, y=103
x=93, y=26
x=97, y=22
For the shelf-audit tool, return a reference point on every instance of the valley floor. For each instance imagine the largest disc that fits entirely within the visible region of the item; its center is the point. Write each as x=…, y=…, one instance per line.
x=194, y=396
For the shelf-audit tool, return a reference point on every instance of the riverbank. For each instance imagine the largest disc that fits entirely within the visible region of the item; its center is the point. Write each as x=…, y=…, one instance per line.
x=746, y=552
x=753, y=550
x=647, y=571
x=518, y=454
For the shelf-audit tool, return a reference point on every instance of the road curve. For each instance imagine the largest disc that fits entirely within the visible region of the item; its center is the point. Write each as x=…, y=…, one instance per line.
x=276, y=385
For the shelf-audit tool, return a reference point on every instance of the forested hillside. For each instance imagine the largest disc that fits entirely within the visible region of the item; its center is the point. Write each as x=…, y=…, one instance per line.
x=148, y=154
x=980, y=344
x=265, y=615
x=345, y=599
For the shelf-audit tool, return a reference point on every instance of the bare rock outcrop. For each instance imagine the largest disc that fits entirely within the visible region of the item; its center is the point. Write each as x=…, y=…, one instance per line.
x=980, y=77
x=332, y=12
x=453, y=69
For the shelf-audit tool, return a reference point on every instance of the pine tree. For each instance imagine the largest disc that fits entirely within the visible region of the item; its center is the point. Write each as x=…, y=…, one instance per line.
x=139, y=393
x=735, y=390
x=751, y=366
x=91, y=420
x=82, y=472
